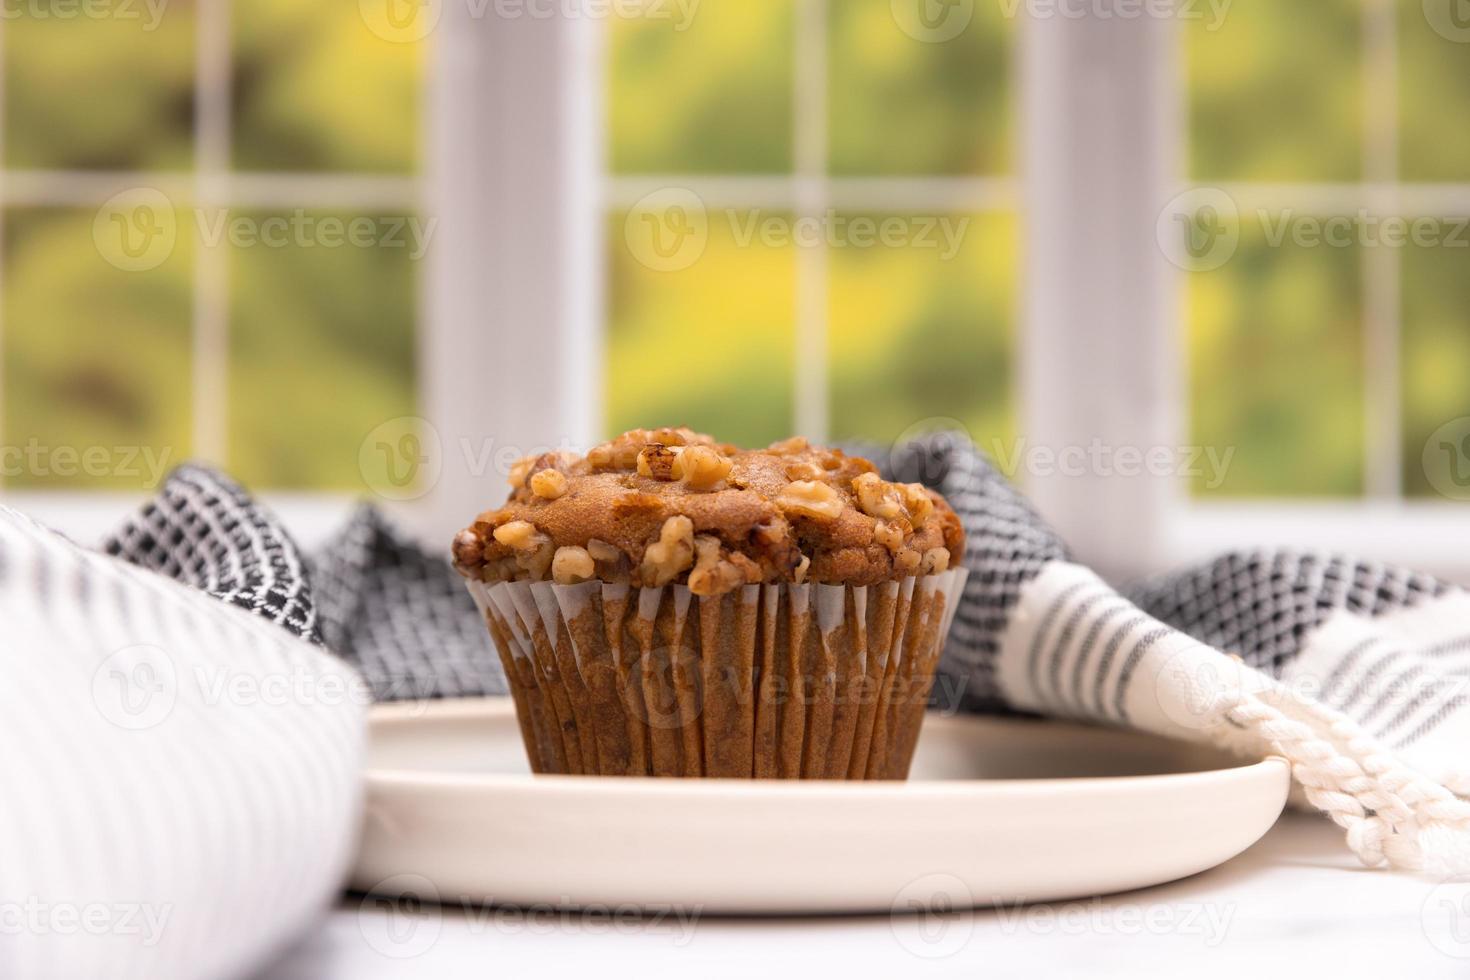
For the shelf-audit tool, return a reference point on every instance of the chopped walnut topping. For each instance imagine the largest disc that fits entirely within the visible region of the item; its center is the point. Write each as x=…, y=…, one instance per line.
x=660, y=462
x=768, y=535
x=519, y=470
x=571, y=565
x=803, y=471
x=533, y=550
x=711, y=574
x=671, y=554
x=602, y=551
x=936, y=560
x=877, y=498
x=549, y=484
x=918, y=502
x=790, y=447
x=516, y=535
x=627, y=511
x=703, y=467
x=889, y=536
x=500, y=570
x=671, y=437
x=809, y=498
x=466, y=550
x=537, y=561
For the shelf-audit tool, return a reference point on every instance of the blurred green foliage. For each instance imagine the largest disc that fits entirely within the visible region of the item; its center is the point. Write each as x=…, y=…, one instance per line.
x=88, y=93
x=710, y=346
x=1275, y=91
x=709, y=96
x=912, y=335
x=1276, y=334
x=95, y=356
x=902, y=107
x=918, y=335
x=321, y=346
x=321, y=340
x=1434, y=97
x=314, y=89
x=1436, y=356
x=1276, y=367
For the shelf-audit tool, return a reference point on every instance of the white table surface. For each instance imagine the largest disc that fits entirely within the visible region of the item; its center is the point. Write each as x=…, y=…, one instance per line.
x=1297, y=901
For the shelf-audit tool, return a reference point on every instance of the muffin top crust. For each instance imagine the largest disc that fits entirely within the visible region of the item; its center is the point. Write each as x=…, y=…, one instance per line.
x=660, y=506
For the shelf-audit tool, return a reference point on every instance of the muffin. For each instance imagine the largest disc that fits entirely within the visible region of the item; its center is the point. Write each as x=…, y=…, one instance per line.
x=669, y=605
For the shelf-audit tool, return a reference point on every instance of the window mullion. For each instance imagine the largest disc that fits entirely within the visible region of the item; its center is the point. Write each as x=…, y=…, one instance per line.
x=211, y=261
x=1382, y=269
x=810, y=143
x=1099, y=359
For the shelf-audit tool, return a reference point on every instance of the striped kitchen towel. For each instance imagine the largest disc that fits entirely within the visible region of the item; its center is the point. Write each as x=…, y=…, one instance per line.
x=1351, y=670
x=180, y=778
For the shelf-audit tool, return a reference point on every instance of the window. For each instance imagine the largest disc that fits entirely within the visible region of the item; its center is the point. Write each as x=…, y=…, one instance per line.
x=211, y=235
x=1054, y=225
x=821, y=195
x=1330, y=348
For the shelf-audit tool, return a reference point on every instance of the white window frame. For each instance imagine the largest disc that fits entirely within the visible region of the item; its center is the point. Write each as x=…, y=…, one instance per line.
x=513, y=304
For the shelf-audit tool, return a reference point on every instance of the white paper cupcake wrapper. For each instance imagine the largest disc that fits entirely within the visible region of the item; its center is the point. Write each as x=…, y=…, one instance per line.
x=768, y=681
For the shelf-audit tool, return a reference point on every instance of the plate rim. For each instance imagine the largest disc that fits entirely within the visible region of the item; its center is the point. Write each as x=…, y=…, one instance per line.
x=399, y=713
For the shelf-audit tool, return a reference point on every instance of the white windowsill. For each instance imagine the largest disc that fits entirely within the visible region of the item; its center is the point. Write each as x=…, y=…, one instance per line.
x=87, y=516
x=1426, y=536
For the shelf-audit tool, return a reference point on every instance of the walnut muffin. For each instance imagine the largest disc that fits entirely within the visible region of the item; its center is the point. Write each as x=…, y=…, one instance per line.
x=672, y=605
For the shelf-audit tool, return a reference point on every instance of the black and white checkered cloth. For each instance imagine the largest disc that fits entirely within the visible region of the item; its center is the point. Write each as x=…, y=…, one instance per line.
x=401, y=615
x=397, y=613
x=1264, y=605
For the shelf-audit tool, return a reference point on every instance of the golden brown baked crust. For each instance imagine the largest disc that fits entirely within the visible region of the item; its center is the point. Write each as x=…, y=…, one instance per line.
x=671, y=505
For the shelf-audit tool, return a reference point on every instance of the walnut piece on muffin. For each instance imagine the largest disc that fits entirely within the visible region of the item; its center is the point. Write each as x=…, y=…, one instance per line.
x=660, y=506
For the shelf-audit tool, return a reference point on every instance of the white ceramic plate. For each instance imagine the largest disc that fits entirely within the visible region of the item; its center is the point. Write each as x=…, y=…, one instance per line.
x=997, y=811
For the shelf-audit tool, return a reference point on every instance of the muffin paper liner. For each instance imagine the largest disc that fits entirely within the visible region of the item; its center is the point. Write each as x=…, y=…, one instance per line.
x=766, y=682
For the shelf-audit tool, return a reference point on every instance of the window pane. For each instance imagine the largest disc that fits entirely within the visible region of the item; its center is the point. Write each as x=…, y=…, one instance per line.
x=910, y=99
x=327, y=86
x=1434, y=91
x=708, y=94
x=88, y=92
x=96, y=346
x=921, y=329
x=704, y=338
x=1276, y=365
x=321, y=340
x=1275, y=91
x=1436, y=365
